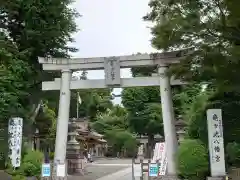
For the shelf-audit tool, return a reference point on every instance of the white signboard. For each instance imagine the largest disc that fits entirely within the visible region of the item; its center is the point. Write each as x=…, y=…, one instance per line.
x=153, y=170
x=137, y=170
x=46, y=170
x=216, y=144
x=163, y=166
x=112, y=71
x=159, y=152
x=160, y=155
x=15, y=126
x=61, y=170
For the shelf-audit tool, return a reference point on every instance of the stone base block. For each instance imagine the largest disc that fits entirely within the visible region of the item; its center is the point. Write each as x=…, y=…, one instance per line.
x=216, y=178
x=169, y=177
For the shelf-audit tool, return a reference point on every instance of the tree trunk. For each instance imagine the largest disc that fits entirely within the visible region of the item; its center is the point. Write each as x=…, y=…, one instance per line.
x=150, y=145
x=31, y=131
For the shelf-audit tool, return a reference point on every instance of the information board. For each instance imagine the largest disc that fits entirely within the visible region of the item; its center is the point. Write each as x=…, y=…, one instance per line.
x=46, y=170
x=153, y=170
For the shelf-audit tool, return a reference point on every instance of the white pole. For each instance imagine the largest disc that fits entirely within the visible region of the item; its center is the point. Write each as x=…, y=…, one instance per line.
x=77, y=104
x=63, y=118
x=168, y=120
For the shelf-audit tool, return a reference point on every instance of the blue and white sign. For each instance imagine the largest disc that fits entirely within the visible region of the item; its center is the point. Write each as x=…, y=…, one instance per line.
x=46, y=170
x=153, y=170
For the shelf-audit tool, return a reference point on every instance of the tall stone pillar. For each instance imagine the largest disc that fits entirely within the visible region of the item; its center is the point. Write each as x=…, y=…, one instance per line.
x=63, y=118
x=168, y=120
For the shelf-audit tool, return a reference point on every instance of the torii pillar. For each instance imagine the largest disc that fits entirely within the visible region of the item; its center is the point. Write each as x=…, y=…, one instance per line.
x=63, y=118
x=168, y=120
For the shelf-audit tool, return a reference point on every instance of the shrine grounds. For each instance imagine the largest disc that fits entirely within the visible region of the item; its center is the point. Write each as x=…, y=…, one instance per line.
x=104, y=167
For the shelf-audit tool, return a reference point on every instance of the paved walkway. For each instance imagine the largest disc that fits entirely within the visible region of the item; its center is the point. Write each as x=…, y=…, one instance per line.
x=125, y=174
x=104, y=168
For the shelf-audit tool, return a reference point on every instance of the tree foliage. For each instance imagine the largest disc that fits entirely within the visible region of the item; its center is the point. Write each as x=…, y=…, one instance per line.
x=32, y=28
x=114, y=126
x=13, y=85
x=233, y=153
x=113, y=119
x=144, y=110
x=211, y=27
x=93, y=101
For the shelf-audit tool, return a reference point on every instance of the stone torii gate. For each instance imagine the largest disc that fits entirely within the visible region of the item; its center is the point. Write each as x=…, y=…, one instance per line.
x=112, y=66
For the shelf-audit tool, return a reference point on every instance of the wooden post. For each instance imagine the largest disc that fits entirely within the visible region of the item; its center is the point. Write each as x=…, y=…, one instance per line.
x=149, y=162
x=141, y=161
x=133, y=161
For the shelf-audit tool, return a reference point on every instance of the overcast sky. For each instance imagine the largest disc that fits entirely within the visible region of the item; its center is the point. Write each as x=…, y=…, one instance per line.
x=111, y=28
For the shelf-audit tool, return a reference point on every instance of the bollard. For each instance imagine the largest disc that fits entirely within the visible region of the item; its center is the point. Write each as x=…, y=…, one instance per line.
x=141, y=162
x=133, y=161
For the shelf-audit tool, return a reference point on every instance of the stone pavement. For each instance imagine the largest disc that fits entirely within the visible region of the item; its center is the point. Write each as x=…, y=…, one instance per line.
x=103, y=168
x=125, y=174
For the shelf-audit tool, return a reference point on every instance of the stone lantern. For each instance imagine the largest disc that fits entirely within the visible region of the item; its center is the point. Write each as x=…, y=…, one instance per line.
x=73, y=150
x=180, y=129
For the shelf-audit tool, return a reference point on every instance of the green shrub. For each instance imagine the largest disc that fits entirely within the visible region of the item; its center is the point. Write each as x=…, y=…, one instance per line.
x=192, y=160
x=31, y=166
x=32, y=163
x=18, y=177
x=233, y=154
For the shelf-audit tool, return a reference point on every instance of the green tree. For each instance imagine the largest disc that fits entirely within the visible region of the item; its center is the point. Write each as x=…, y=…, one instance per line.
x=233, y=153
x=31, y=29
x=45, y=122
x=122, y=142
x=37, y=29
x=93, y=101
x=114, y=126
x=144, y=112
x=113, y=119
x=211, y=27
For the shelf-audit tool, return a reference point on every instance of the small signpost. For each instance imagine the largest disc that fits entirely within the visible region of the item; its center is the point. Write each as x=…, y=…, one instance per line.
x=137, y=170
x=46, y=170
x=216, y=144
x=61, y=171
x=153, y=170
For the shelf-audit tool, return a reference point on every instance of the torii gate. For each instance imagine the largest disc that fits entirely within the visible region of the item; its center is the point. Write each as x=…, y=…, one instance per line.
x=112, y=66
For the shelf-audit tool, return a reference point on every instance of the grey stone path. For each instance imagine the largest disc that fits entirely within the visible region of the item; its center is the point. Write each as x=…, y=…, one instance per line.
x=125, y=174
x=104, y=167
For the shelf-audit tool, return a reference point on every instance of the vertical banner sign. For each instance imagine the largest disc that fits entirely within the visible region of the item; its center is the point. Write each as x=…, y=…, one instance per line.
x=154, y=159
x=163, y=167
x=159, y=151
x=216, y=143
x=112, y=71
x=15, y=126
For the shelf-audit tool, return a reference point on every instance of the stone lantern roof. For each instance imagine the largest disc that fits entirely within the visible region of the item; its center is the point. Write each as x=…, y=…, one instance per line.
x=85, y=133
